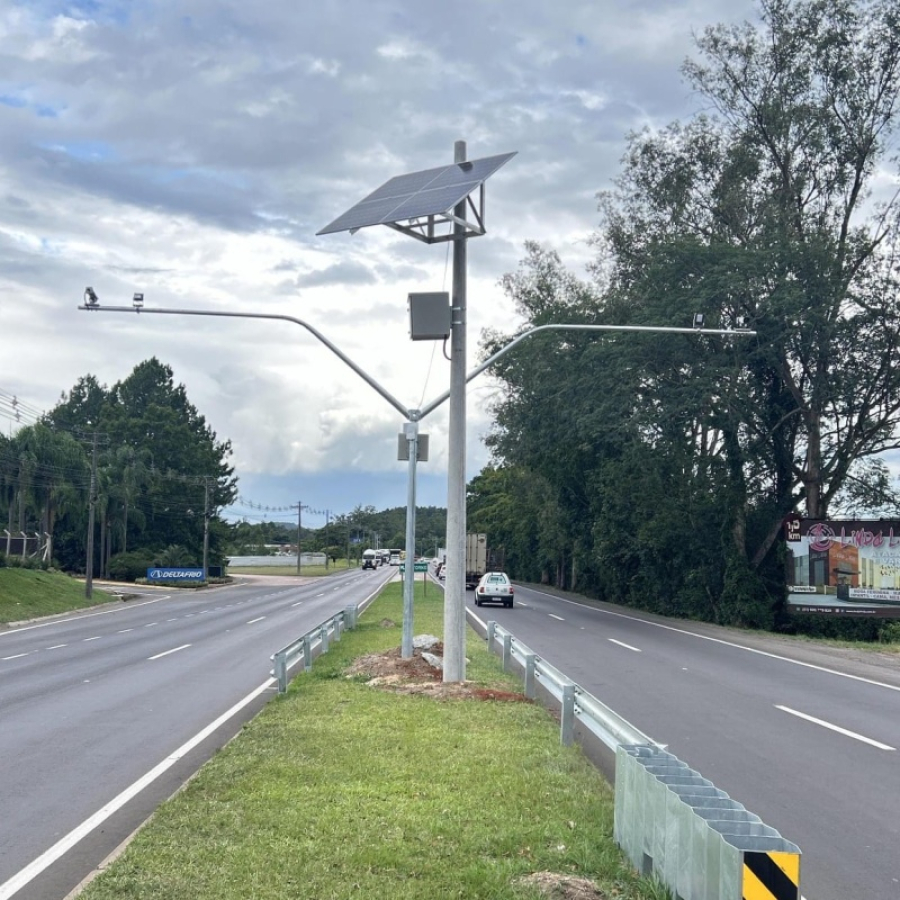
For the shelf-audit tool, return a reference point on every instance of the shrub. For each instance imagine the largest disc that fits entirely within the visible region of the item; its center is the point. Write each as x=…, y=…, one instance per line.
x=131, y=565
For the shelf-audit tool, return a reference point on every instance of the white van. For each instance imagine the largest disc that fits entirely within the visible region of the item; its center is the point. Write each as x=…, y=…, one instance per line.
x=369, y=559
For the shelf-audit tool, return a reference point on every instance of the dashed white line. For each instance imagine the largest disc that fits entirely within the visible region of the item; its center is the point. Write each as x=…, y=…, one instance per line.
x=622, y=644
x=167, y=652
x=16, y=656
x=558, y=618
x=259, y=619
x=151, y=624
x=56, y=646
x=296, y=604
x=124, y=631
x=837, y=728
x=320, y=595
x=97, y=638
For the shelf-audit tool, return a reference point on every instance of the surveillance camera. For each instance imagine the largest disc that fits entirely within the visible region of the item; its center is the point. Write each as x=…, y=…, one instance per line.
x=90, y=297
x=138, y=301
x=698, y=320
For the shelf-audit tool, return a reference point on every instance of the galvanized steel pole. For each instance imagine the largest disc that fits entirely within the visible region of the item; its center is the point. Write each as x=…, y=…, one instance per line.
x=455, y=590
x=411, y=429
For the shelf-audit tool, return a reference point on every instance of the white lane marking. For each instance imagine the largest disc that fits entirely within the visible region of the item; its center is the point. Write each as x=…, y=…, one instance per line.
x=62, y=846
x=320, y=595
x=626, y=646
x=91, y=639
x=560, y=618
x=151, y=624
x=259, y=619
x=103, y=612
x=296, y=604
x=705, y=637
x=56, y=646
x=836, y=728
x=124, y=631
x=167, y=652
x=16, y=656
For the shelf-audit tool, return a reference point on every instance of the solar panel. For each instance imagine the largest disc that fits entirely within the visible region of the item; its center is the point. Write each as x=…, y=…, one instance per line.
x=430, y=192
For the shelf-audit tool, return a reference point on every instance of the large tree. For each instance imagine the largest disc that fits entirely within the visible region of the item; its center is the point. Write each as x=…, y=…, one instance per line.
x=769, y=209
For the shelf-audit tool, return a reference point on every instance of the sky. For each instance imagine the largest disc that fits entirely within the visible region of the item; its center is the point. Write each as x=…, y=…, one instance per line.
x=191, y=151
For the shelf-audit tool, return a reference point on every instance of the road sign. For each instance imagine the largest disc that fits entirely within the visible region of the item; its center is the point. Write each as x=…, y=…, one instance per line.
x=417, y=567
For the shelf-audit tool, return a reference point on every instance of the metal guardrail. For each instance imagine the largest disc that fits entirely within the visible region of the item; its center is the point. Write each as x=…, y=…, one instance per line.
x=576, y=704
x=670, y=821
x=305, y=647
x=676, y=825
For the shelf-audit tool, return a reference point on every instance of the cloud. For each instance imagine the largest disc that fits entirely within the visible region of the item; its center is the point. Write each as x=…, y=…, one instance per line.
x=191, y=151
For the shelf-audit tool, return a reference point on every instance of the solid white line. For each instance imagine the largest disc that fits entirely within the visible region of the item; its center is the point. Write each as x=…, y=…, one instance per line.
x=13, y=657
x=259, y=619
x=62, y=846
x=705, y=637
x=167, y=652
x=836, y=728
x=91, y=639
x=560, y=618
x=626, y=646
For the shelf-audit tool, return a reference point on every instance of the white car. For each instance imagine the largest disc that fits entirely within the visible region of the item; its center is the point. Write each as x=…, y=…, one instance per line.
x=494, y=587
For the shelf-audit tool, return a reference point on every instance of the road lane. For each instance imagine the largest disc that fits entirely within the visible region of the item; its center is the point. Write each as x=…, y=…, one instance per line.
x=83, y=722
x=714, y=699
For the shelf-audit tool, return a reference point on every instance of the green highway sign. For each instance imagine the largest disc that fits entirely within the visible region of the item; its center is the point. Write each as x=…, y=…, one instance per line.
x=417, y=567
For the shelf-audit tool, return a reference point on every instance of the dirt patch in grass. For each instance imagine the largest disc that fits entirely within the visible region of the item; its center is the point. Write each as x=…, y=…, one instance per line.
x=562, y=887
x=417, y=675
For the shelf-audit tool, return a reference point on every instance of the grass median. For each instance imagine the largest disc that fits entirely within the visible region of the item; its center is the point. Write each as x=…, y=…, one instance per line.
x=343, y=789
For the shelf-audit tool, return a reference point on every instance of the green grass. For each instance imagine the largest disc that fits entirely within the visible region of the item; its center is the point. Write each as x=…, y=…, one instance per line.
x=339, y=566
x=339, y=789
x=30, y=593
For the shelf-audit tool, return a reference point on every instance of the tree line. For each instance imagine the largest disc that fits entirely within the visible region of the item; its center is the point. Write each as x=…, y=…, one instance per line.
x=656, y=470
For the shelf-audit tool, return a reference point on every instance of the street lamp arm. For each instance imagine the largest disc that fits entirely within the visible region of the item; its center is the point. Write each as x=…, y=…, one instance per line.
x=404, y=411
x=434, y=404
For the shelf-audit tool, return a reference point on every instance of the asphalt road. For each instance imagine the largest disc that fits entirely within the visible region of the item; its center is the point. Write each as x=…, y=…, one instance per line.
x=805, y=737
x=105, y=713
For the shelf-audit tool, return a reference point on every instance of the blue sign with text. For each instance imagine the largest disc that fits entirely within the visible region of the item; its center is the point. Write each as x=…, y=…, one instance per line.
x=175, y=574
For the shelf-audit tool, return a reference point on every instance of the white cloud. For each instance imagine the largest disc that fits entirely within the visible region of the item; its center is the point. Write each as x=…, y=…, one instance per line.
x=193, y=150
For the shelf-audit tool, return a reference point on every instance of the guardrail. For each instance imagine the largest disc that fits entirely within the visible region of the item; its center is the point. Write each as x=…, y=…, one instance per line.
x=576, y=704
x=310, y=645
x=670, y=821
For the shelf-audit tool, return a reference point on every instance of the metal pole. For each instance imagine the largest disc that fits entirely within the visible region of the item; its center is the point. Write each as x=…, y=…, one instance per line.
x=412, y=436
x=299, y=522
x=455, y=591
x=206, y=529
x=89, y=562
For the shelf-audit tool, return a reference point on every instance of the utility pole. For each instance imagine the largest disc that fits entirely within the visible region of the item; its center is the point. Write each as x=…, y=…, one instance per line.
x=327, y=517
x=89, y=562
x=206, y=528
x=299, y=526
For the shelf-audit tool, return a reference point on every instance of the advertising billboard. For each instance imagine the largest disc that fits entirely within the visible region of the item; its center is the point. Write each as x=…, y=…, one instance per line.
x=843, y=566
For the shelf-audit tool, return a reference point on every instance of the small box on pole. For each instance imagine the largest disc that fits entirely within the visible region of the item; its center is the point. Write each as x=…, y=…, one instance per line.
x=429, y=316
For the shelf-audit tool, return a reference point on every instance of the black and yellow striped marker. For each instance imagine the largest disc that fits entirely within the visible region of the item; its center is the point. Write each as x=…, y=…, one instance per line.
x=771, y=876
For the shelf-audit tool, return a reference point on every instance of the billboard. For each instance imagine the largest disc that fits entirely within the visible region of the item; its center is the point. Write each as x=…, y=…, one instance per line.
x=843, y=566
x=190, y=573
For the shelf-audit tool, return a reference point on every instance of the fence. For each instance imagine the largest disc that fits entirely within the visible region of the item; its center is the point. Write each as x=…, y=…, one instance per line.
x=670, y=821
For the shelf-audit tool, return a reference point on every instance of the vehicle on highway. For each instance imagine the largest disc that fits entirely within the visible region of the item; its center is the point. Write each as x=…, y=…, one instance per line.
x=396, y=556
x=439, y=571
x=494, y=587
x=370, y=560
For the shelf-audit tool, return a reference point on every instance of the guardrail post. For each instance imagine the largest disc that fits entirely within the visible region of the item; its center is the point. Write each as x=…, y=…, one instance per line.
x=350, y=612
x=507, y=651
x=338, y=626
x=323, y=631
x=567, y=719
x=491, y=631
x=281, y=672
x=530, y=677
x=307, y=653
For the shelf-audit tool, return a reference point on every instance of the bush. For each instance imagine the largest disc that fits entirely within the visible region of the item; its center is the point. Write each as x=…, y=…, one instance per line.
x=131, y=565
